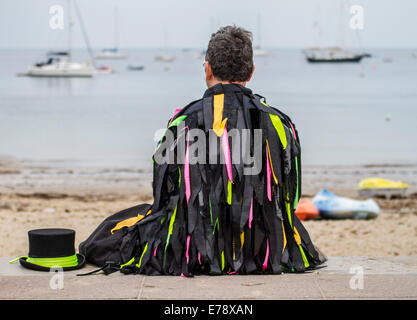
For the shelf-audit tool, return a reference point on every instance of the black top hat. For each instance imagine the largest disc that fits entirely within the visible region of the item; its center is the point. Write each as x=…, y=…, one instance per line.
x=52, y=248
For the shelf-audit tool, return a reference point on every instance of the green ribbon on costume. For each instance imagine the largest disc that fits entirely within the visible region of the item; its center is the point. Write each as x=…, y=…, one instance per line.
x=172, y=124
x=229, y=192
x=128, y=263
x=279, y=127
x=171, y=222
x=177, y=121
x=143, y=253
x=70, y=261
x=277, y=123
x=298, y=187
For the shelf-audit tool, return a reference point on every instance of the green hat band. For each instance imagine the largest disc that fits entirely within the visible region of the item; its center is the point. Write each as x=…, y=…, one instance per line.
x=63, y=262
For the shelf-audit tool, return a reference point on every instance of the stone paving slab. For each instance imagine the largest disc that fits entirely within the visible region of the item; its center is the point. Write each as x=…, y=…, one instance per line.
x=399, y=286
x=94, y=287
x=383, y=278
x=302, y=286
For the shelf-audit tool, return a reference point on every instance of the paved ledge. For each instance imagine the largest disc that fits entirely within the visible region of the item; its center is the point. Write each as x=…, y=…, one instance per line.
x=383, y=278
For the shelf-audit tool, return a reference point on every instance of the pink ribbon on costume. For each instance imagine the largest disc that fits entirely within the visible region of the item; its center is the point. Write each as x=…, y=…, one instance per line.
x=268, y=175
x=187, y=169
x=199, y=258
x=251, y=212
x=266, y=255
x=188, y=248
x=226, y=153
x=175, y=113
x=293, y=130
x=154, y=252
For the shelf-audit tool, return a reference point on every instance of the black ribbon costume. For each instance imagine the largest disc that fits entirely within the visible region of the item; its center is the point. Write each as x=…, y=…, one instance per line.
x=221, y=214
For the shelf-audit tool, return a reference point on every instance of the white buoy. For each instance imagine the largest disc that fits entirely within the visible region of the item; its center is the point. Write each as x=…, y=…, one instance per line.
x=387, y=117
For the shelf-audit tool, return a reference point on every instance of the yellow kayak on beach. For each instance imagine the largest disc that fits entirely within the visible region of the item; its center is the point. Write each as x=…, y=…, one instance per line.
x=381, y=187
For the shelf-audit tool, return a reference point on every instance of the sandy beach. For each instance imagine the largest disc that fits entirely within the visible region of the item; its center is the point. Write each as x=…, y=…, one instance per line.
x=46, y=195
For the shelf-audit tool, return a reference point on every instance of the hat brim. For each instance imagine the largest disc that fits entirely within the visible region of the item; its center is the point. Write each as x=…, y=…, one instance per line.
x=28, y=265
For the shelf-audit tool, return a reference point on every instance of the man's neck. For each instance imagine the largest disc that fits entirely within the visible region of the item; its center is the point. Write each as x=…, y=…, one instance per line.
x=213, y=82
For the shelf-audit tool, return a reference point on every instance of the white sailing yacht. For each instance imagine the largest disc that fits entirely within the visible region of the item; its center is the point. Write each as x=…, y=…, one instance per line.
x=258, y=51
x=112, y=53
x=334, y=54
x=62, y=65
x=165, y=57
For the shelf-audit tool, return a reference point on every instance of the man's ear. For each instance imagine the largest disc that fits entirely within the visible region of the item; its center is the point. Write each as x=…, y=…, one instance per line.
x=209, y=71
x=250, y=77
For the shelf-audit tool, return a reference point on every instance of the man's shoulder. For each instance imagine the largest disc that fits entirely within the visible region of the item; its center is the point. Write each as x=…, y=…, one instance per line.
x=261, y=103
x=187, y=110
x=192, y=107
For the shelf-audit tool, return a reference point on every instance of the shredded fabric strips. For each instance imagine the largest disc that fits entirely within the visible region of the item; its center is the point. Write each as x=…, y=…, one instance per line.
x=214, y=218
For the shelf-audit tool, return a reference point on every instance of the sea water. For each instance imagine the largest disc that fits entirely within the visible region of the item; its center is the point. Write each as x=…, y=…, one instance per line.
x=346, y=113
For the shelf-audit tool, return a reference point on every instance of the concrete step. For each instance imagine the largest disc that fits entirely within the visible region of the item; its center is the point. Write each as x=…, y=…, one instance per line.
x=342, y=278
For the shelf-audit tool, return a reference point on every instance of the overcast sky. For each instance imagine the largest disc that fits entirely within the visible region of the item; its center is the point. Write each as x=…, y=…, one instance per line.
x=188, y=23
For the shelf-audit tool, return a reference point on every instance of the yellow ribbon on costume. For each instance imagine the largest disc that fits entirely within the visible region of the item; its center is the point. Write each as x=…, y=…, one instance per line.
x=285, y=238
x=218, y=122
x=270, y=162
x=128, y=222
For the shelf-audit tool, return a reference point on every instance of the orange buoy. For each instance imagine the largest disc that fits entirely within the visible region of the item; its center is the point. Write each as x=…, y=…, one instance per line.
x=306, y=210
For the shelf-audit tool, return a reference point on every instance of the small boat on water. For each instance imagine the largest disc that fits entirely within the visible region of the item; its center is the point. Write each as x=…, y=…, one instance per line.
x=105, y=70
x=335, y=54
x=164, y=58
x=59, y=63
x=111, y=53
x=378, y=187
x=306, y=210
x=331, y=206
x=57, y=53
x=55, y=67
x=332, y=55
x=135, y=68
x=258, y=52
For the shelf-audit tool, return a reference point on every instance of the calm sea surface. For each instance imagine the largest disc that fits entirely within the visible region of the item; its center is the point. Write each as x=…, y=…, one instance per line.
x=340, y=109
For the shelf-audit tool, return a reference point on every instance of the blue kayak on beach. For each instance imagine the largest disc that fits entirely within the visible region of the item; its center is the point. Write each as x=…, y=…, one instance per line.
x=332, y=206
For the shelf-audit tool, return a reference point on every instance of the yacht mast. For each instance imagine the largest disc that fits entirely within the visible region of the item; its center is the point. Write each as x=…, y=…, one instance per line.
x=342, y=24
x=259, y=29
x=69, y=30
x=87, y=42
x=116, y=40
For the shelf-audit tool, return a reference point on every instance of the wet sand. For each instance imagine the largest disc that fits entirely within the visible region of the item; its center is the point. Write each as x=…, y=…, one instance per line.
x=35, y=195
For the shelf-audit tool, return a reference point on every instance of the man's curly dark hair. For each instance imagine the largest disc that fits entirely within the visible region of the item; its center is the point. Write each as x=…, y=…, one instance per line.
x=230, y=54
